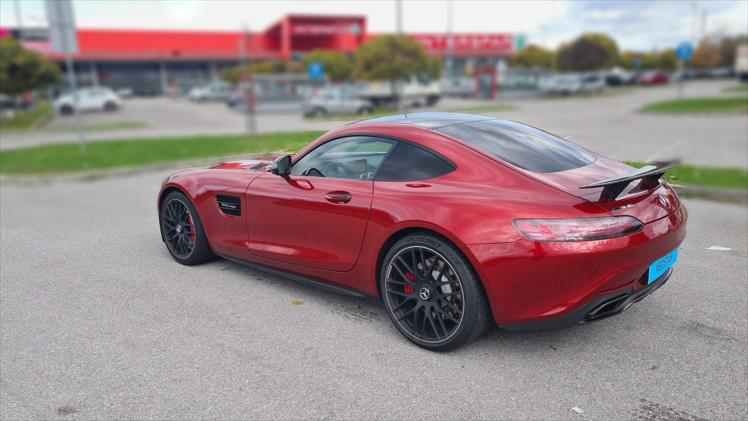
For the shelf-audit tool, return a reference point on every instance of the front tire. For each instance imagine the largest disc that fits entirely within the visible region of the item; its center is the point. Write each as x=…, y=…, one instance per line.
x=67, y=110
x=432, y=294
x=182, y=231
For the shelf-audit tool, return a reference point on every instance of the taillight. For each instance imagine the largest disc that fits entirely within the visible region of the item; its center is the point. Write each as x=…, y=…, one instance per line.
x=581, y=229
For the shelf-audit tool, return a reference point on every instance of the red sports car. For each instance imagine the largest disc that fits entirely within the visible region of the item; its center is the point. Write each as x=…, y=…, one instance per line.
x=456, y=221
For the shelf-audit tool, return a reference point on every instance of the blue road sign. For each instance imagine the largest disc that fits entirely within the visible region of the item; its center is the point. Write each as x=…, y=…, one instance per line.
x=684, y=51
x=638, y=63
x=316, y=71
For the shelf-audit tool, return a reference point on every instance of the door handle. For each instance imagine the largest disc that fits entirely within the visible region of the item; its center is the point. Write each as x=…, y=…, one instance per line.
x=338, y=197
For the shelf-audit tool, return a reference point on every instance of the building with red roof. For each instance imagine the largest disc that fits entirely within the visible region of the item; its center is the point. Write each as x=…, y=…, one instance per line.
x=150, y=61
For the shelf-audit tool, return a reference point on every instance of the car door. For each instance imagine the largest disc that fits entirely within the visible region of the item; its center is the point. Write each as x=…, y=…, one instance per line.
x=316, y=215
x=94, y=100
x=85, y=100
x=332, y=102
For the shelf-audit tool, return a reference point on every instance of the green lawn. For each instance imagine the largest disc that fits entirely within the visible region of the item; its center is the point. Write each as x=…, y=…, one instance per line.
x=65, y=158
x=700, y=105
x=62, y=158
x=118, y=125
x=354, y=116
x=729, y=178
x=27, y=120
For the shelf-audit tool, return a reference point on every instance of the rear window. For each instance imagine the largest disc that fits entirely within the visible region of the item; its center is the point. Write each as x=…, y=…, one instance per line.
x=409, y=163
x=520, y=145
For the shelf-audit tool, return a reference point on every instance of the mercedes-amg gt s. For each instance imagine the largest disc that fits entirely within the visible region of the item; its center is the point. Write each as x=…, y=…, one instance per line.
x=456, y=221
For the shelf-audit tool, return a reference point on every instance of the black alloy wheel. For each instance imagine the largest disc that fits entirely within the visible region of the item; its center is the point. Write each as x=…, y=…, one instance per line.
x=182, y=231
x=179, y=228
x=432, y=294
x=425, y=293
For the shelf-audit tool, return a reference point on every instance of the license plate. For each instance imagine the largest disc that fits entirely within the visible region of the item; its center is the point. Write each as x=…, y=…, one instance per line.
x=661, y=265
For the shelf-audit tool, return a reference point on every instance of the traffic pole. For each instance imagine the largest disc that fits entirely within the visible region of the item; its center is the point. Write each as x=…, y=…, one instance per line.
x=681, y=81
x=73, y=83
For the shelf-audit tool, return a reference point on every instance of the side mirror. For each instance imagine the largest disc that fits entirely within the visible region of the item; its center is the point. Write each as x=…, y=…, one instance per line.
x=281, y=165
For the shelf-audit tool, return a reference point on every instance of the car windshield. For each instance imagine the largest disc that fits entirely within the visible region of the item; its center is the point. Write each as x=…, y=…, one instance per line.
x=520, y=145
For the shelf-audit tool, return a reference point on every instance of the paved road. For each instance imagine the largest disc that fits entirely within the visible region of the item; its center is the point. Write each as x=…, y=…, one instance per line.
x=610, y=124
x=97, y=321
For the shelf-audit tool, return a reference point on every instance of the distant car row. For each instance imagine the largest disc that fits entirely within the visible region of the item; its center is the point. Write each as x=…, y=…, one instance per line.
x=577, y=83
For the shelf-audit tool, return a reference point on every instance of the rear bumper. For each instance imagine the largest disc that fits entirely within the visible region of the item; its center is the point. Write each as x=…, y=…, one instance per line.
x=602, y=308
x=535, y=283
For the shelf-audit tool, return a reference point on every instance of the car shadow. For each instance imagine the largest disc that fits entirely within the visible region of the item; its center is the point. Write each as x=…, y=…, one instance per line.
x=371, y=310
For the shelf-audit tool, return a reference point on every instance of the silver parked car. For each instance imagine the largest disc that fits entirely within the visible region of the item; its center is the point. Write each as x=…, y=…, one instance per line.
x=215, y=91
x=336, y=101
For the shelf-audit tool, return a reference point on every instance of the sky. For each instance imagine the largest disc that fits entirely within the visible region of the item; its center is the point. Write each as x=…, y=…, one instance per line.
x=635, y=24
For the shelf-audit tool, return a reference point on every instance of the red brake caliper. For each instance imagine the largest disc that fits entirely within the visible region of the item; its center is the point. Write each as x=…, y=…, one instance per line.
x=407, y=288
x=192, y=234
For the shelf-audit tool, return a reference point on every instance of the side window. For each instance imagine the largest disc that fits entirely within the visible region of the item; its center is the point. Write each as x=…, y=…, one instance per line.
x=409, y=163
x=353, y=157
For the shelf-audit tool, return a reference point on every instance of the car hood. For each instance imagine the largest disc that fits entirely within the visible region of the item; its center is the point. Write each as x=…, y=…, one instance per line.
x=246, y=164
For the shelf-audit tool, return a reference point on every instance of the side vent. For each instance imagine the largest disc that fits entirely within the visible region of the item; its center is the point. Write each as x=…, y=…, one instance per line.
x=230, y=205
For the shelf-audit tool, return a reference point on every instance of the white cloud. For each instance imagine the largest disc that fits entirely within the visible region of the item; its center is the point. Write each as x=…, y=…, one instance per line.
x=605, y=15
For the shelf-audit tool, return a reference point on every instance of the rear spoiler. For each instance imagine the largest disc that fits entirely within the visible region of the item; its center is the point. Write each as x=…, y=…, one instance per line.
x=649, y=175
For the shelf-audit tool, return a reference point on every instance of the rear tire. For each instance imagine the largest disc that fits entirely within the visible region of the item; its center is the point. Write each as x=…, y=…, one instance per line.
x=66, y=110
x=432, y=293
x=182, y=231
x=110, y=106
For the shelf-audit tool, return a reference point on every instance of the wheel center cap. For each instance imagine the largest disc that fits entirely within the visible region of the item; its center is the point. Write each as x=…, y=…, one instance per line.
x=179, y=229
x=424, y=293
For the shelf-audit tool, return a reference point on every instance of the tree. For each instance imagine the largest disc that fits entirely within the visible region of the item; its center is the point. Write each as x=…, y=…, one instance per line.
x=728, y=46
x=233, y=74
x=664, y=60
x=707, y=54
x=23, y=70
x=591, y=51
x=533, y=57
x=337, y=65
x=435, y=67
x=390, y=57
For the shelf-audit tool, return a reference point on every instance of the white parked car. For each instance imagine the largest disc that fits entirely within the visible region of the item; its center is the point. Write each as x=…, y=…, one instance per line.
x=561, y=84
x=573, y=83
x=89, y=99
x=462, y=87
x=211, y=92
x=593, y=82
x=416, y=91
x=336, y=101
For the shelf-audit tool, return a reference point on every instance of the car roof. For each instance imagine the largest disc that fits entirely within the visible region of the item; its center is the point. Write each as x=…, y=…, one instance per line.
x=428, y=120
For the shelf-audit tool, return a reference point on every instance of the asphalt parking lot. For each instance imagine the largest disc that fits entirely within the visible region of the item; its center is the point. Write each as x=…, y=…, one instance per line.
x=97, y=321
x=610, y=124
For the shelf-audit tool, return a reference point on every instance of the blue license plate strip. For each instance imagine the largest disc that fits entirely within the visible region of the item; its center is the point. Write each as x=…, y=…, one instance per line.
x=661, y=265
